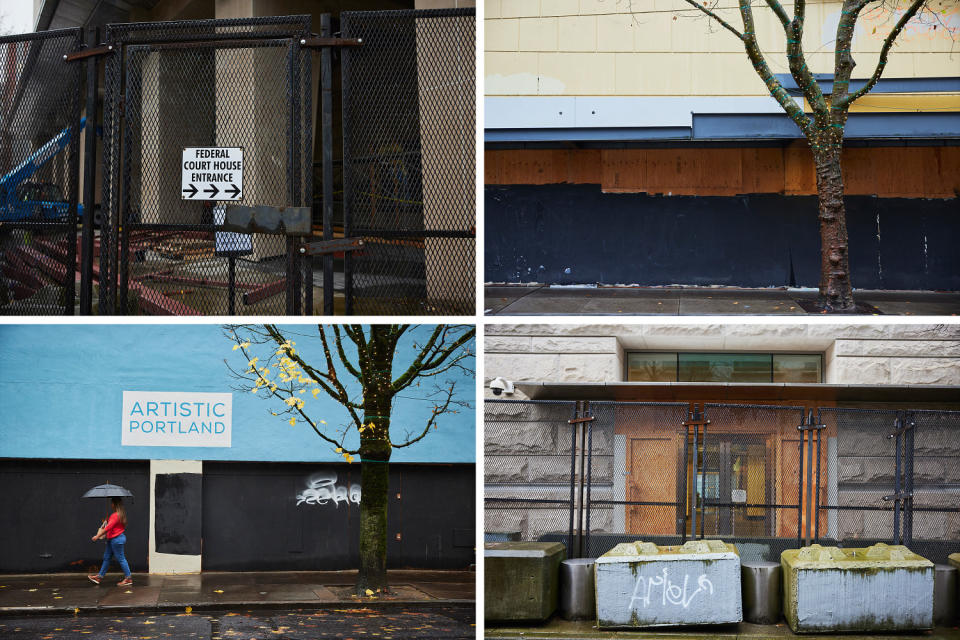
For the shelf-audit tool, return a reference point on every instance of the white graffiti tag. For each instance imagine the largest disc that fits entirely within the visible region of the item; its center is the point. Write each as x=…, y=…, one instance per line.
x=322, y=488
x=670, y=593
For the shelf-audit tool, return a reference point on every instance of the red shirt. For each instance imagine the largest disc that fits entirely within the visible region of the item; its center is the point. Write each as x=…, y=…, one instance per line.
x=114, y=526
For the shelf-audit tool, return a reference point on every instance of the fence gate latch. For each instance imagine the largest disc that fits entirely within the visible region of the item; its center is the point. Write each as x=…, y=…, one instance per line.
x=89, y=52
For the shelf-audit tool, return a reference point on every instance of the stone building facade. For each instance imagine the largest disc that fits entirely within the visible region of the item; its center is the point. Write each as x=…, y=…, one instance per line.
x=640, y=448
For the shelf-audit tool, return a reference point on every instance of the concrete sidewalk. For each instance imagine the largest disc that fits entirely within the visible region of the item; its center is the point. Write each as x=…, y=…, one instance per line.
x=74, y=593
x=559, y=629
x=684, y=301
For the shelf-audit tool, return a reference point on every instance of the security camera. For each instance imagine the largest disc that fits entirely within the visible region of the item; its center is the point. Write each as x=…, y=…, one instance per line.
x=500, y=385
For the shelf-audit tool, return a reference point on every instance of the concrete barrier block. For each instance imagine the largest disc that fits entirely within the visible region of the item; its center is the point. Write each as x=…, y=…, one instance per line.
x=954, y=559
x=640, y=584
x=521, y=580
x=878, y=588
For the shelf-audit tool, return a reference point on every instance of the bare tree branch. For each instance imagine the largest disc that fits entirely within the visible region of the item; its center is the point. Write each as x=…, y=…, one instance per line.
x=726, y=25
x=884, y=51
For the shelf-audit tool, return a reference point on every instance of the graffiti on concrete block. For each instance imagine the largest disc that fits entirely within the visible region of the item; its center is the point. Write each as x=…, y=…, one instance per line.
x=322, y=488
x=652, y=588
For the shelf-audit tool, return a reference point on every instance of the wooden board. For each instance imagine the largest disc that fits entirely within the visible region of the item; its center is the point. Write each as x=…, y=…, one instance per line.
x=652, y=466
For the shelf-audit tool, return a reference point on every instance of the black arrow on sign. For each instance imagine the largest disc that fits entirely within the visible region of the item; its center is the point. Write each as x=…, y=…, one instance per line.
x=213, y=191
x=234, y=192
x=193, y=192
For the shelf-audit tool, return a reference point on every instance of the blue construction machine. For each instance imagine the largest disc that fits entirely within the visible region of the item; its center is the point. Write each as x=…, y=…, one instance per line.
x=24, y=199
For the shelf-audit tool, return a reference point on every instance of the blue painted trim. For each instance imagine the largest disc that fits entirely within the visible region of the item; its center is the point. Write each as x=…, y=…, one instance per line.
x=884, y=85
x=746, y=127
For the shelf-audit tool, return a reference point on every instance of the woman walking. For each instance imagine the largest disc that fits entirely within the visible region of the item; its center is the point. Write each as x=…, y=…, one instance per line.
x=113, y=530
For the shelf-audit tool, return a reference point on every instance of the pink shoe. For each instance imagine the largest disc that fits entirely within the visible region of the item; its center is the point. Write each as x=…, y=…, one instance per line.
x=95, y=578
x=126, y=582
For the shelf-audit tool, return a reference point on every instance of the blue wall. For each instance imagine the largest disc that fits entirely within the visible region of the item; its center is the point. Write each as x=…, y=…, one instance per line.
x=61, y=390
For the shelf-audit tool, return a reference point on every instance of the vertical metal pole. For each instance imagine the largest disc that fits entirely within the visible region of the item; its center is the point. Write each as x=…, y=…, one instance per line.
x=910, y=423
x=897, y=425
x=231, y=285
x=89, y=178
x=293, y=173
x=703, y=465
x=573, y=470
x=346, y=168
x=326, y=135
x=816, y=493
x=122, y=234
x=587, y=414
x=693, y=475
x=803, y=422
x=809, y=479
x=583, y=454
x=305, y=86
x=686, y=492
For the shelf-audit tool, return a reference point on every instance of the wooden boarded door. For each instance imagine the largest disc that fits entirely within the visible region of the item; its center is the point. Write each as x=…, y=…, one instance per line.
x=652, y=478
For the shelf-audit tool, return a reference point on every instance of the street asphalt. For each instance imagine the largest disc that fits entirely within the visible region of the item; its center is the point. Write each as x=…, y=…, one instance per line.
x=351, y=622
x=536, y=300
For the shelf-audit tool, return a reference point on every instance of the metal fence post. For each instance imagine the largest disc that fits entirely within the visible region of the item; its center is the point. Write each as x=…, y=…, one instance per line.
x=588, y=414
x=326, y=140
x=89, y=178
x=573, y=470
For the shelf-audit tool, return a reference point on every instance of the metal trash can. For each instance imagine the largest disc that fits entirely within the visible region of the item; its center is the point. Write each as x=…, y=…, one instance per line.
x=577, y=597
x=944, y=595
x=761, y=584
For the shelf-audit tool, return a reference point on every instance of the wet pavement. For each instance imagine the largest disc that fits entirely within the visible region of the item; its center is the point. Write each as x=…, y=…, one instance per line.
x=74, y=593
x=301, y=624
x=720, y=301
x=559, y=629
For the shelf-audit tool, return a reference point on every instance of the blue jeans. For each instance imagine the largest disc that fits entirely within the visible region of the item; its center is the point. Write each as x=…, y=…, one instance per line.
x=115, y=549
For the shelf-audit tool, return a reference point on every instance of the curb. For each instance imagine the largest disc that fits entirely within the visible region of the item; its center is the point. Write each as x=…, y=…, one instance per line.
x=206, y=607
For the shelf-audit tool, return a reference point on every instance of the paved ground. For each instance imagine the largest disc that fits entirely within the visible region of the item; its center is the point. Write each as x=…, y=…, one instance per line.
x=559, y=629
x=673, y=301
x=73, y=593
x=355, y=622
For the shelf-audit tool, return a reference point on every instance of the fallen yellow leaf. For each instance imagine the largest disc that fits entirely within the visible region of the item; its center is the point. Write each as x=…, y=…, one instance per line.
x=189, y=609
x=218, y=590
x=369, y=592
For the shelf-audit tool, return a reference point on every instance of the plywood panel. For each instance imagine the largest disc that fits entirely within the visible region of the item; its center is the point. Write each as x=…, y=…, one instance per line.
x=902, y=172
x=624, y=170
x=652, y=478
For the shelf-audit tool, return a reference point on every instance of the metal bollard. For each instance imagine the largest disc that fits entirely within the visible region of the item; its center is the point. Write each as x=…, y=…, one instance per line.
x=577, y=597
x=761, y=586
x=944, y=595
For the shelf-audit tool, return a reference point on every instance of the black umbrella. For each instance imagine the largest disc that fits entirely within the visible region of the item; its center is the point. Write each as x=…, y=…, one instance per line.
x=108, y=491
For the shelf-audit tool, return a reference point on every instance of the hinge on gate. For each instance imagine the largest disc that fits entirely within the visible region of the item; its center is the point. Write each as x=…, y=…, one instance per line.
x=901, y=495
x=910, y=424
x=318, y=42
x=578, y=420
x=89, y=52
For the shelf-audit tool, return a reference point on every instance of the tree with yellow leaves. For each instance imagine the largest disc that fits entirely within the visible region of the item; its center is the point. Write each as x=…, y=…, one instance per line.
x=358, y=372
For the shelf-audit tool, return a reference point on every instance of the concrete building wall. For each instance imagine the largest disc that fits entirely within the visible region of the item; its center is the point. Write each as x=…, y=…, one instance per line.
x=527, y=447
x=626, y=48
x=852, y=353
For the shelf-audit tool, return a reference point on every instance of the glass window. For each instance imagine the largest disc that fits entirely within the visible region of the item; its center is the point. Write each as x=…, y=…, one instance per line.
x=652, y=367
x=796, y=368
x=724, y=367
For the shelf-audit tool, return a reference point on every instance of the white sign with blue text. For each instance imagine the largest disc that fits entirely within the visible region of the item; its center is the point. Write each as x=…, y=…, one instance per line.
x=176, y=419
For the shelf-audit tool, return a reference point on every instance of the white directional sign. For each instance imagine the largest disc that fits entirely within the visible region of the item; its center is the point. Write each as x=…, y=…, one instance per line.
x=212, y=173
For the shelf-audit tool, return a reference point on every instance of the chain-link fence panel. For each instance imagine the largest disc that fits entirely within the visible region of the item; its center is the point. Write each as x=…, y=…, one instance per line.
x=636, y=483
x=531, y=470
x=237, y=85
x=410, y=159
x=40, y=129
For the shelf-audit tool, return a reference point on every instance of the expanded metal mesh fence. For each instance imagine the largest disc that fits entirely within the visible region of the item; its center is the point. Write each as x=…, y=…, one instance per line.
x=765, y=477
x=409, y=160
x=239, y=84
x=39, y=138
x=531, y=470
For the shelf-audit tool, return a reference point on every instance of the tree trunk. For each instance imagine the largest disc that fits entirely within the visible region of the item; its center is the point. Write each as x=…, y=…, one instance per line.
x=374, y=487
x=375, y=452
x=836, y=292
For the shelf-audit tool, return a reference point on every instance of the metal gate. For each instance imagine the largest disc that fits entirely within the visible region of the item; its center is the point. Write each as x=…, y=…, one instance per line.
x=39, y=139
x=768, y=477
x=409, y=161
x=230, y=84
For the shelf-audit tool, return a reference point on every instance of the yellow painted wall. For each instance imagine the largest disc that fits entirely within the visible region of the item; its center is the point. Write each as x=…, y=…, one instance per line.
x=656, y=47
